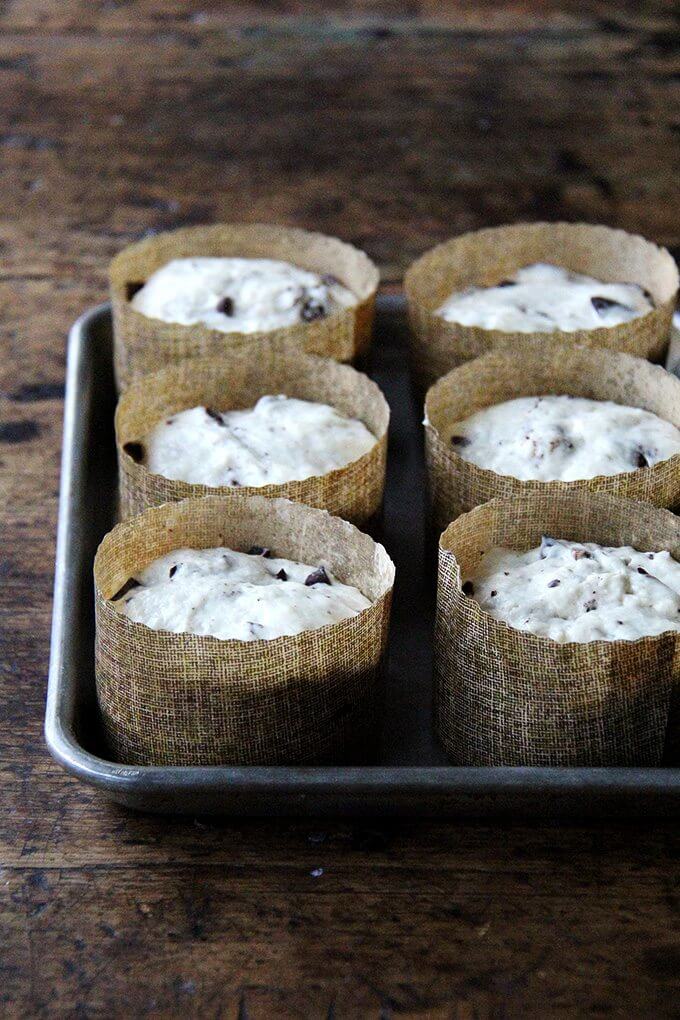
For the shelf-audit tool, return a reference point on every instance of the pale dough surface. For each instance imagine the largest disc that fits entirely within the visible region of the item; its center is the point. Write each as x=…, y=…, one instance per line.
x=542, y=298
x=239, y=295
x=278, y=440
x=573, y=591
x=236, y=595
x=561, y=437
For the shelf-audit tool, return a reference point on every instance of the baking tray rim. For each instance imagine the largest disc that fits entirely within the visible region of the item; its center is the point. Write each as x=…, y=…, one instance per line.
x=370, y=783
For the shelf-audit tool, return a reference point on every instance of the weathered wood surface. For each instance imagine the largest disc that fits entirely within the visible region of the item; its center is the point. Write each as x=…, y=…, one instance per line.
x=393, y=125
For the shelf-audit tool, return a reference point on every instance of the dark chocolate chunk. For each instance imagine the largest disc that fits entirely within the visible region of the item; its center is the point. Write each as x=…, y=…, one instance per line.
x=603, y=304
x=546, y=543
x=128, y=586
x=468, y=588
x=173, y=570
x=460, y=441
x=507, y=283
x=639, y=459
x=641, y=570
x=493, y=594
x=329, y=279
x=135, y=451
x=590, y=605
x=310, y=311
x=259, y=550
x=282, y=575
x=215, y=415
x=226, y=306
x=553, y=584
x=318, y=576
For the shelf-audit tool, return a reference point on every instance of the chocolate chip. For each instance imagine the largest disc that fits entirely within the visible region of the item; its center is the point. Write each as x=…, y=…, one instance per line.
x=215, y=415
x=553, y=584
x=590, y=605
x=507, y=283
x=318, y=576
x=546, y=543
x=173, y=570
x=128, y=586
x=468, y=588
x=259, y=550
x=329, y=280
x=135, y=451
x=460, y=441
x=282, y=575
x=311, y=311
x=639, y=459
x=603, y=304
x=641, y=570
x=493, y=594
x=226, y=306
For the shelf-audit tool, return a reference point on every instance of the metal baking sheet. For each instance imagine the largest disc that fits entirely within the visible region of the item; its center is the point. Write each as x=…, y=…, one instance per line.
x=409, y=775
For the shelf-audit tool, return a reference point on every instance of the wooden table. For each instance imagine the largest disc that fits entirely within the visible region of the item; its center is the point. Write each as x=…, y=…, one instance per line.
x=393, y=125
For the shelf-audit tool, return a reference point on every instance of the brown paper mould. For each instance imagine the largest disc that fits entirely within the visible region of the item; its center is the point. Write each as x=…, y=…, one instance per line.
x=484, y=257
x=143, y=345
x=185, y=699
x=507, y=697
x=238, y=379
x=456, y=485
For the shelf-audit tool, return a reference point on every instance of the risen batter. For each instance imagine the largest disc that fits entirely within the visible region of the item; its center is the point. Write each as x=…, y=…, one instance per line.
x=560, y=437
x=245, y=596
x=238, y=295
x=569, y=591
x=278, y=440
x=542, y=298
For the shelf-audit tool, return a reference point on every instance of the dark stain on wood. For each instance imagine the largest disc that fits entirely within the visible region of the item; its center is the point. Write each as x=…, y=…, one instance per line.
x=30, y=392
x=18, y=431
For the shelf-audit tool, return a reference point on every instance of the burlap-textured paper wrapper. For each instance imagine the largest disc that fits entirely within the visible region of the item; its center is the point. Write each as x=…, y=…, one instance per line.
x=184, y=699
x=673, y=356
x=508, y=697
x=143, y=345
x=456, y=485
x=485, y=257
x=237, y=380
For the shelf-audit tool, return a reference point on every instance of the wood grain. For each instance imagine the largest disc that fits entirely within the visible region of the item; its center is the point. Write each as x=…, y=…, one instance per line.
x=392, y=125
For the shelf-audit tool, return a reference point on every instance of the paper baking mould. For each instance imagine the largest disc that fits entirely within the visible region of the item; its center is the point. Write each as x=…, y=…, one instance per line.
x=185, y=699
x=456, y=485
x=507, y=697
x=238, y=379
x=483, y=258
x=143, y=345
